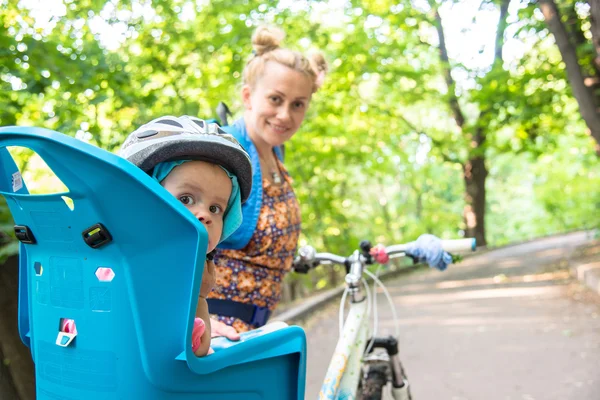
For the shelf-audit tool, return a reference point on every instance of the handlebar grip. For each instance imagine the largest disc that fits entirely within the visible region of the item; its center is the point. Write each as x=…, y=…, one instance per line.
x=459, y=245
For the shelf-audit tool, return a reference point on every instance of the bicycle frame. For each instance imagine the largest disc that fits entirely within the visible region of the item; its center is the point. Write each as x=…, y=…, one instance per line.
x=344, y=371
x=345, y=368
x=343, y=374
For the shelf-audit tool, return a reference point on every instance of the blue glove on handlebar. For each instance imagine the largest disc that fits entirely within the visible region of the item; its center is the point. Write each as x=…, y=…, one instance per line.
x=428, y=248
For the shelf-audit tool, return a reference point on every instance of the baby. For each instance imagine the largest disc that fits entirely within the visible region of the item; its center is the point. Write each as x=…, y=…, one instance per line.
x=206, y=190
x=209, y=173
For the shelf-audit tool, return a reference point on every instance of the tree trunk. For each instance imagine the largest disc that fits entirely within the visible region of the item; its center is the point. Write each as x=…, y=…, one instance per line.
x=17, y=378
x=293, y=286
x=474, y=170
x=7, y=388
x=475, y=174
x=286, y=296
x=583, y=93
x=452, y=99
x=595, y=20
x=573, y=25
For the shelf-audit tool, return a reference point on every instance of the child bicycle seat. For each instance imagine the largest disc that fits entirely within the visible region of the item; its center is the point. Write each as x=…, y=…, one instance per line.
x=123, y=259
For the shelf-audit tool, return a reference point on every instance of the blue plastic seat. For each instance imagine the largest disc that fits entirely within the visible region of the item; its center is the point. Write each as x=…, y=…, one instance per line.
x=134, y=332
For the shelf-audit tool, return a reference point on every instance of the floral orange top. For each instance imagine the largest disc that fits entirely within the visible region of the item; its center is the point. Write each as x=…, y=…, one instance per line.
x=254, y=274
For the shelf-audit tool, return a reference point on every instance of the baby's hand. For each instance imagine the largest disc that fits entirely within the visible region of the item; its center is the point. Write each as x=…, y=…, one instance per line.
x=209, y=279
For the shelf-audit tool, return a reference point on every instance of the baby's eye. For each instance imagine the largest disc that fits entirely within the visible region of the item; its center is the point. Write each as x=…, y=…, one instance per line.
x=186, y=199
x=215, y=209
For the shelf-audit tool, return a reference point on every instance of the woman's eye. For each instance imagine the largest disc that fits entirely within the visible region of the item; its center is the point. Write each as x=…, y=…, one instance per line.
x=215, y=209
x=275, y=99
x=187, y=200
x=299, y=104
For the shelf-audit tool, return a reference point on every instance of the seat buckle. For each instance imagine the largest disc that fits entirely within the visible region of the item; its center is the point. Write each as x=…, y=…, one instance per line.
x=96, y=236
x=24, y=234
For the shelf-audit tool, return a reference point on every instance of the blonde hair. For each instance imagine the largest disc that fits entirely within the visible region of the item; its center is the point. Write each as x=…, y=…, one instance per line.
x=265, y=44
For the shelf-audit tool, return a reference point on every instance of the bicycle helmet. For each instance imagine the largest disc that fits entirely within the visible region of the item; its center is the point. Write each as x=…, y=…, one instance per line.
x=171, y=138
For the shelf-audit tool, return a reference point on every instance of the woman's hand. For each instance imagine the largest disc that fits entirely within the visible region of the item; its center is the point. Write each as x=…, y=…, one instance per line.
x=428, y=248
x=221, y=329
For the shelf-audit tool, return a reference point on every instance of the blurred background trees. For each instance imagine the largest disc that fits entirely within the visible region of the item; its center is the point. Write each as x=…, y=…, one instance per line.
x=459, y=118
x=455, y=117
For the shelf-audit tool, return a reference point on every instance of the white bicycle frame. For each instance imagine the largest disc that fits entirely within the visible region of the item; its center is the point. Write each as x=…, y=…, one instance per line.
x=343, y=375
x=344, y=371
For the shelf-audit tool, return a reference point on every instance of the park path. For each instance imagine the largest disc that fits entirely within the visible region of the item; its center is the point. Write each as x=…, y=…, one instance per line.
x=509, y=324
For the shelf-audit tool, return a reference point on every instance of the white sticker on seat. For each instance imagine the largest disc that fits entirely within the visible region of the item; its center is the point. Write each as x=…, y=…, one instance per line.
x=17, y=181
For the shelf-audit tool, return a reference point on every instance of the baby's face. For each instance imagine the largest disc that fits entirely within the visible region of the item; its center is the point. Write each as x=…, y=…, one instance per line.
x=204, y=188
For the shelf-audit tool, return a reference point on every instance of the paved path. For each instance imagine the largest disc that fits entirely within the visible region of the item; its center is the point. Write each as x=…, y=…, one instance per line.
x=509, y=324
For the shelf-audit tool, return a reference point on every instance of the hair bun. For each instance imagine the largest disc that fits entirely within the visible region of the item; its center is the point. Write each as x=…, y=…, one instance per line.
x=266, y=39
x=319, y=65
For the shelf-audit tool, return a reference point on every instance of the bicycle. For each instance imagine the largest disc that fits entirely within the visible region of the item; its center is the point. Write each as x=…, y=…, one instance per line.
x=363, y=365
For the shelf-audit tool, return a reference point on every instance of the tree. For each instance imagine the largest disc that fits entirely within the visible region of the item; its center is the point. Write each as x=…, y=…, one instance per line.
x=584, y=81
x=402, y=139
x=501, y=118
x=475, y=133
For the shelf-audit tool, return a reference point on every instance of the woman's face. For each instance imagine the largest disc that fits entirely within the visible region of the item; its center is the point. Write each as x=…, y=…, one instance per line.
x=276, y=105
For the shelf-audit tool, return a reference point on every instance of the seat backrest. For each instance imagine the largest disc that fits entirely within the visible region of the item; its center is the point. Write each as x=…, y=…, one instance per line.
x=134, y=330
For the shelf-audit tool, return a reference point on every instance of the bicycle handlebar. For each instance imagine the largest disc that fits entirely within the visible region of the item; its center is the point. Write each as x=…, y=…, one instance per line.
x=308, y=258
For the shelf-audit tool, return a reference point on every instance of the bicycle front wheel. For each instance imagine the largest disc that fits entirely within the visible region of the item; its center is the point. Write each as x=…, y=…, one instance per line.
x=374, y=382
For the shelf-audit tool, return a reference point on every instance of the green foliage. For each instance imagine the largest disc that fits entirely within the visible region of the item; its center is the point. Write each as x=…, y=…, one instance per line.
x=378, y=156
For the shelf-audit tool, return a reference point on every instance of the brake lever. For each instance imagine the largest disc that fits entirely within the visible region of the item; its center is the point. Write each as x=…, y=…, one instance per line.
x=365, y=251
x=301, y=268
x=305, y=260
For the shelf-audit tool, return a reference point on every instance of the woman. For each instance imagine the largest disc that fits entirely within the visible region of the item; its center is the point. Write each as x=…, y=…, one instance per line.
x=278, y=85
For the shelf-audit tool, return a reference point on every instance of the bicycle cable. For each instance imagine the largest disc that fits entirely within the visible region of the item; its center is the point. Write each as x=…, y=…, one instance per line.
x=372, y=302
x=389, y=298
x=375, y=312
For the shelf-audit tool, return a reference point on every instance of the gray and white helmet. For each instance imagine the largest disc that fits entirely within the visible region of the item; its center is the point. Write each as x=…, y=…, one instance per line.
x=188, y=138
